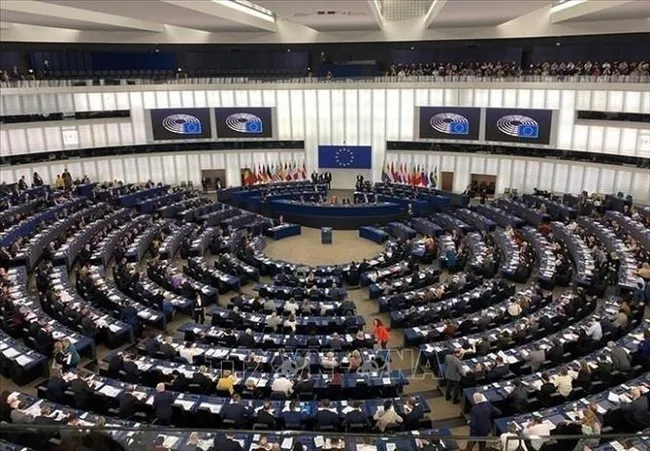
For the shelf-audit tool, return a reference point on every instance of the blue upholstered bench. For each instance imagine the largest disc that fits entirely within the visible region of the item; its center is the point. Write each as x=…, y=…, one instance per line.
x=373, y=234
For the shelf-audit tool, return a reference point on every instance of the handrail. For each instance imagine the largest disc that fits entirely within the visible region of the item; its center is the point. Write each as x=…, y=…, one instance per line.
x=124, y=81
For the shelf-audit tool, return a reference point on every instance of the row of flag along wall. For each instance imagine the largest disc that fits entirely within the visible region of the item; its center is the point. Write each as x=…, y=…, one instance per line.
x=274, y=172
x=409, y=174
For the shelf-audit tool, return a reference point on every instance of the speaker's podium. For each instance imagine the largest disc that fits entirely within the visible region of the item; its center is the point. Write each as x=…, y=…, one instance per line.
x=326, y=235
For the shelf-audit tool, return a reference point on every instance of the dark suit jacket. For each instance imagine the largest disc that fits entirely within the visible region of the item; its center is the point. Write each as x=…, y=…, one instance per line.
x=265, y=417
x=132, y=371
x=222, y=443
x=129, y=404
x=481, y=419
x=234, y=412
x=162, y=405
x=356, y=417
x=325, y=418
x=82, y=393
x=637, y=410
x=246, y=341
x=56, y=387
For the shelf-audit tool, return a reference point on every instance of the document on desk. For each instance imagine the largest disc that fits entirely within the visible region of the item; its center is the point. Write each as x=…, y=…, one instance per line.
x=612, y=397
x=10, y=353
x=110, y=391
x=186, y=405
x=287, y=443
x=214, y=408
x=23, y=360
x=386, y=381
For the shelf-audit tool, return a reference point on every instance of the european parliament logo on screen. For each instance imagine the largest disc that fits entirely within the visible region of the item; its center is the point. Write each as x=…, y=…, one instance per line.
x=449, y=123
x=244, y=122
x=188, y=123
x=518, y=125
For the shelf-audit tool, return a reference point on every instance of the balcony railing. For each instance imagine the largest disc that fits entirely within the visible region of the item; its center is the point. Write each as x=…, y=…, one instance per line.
x=180, y=80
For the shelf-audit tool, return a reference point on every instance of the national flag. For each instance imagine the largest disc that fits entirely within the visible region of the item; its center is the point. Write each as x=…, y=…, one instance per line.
x=433, y=178
x=304, y=170
x=393, y=173
x=296, y=171
x=416, y=174
x=269, y=175
x=249, y=177
x=425, y=178
x=385, y=177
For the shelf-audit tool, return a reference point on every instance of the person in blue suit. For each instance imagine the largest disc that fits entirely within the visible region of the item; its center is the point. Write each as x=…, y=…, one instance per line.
x=293, y=416
x=481, y=420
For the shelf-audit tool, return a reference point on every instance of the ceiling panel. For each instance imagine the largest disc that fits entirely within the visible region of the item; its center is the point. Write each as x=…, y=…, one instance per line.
x=56, y=22
x=634, y=10
x=474, y=13
x=157, y=11
x=325, y=16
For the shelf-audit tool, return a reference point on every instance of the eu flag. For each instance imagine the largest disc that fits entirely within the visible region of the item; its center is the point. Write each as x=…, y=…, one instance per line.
x=345, y=157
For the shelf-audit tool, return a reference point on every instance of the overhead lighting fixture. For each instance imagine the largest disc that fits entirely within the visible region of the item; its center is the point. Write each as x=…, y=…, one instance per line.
x=566, y=4
x=246, y=7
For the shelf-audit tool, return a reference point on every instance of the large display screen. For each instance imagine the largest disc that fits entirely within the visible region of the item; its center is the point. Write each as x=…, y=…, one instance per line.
x=518, y=125
x=244, y=122
x=449, y=122
x=181, y=123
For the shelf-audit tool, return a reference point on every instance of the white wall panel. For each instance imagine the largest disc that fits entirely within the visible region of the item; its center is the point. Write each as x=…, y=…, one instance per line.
x=365, y=119
x=422, y=97
x=407, y=107
x=615, y=100
x=219, y=160
x=193, y=169
x=553, y=99
x=546, y=173
x=131, y=173
x=628, y=141
x=53, y=139
x=144, y=172
x=641, y=185
x=311, y=129
x=99, y=135
x=451, y=97
x=297, y=115
x=187, y=99
x=509, y=98
x=104, y=168
x=503, y=177
x=5, y=147
x=606, y=182
x=595, y=138
x=268, y=98
x=284, y=113
x=583, y=99
x=612, y=140
x=378, y=128
x=241, y=98
x=466, y=97
x=148, y=99
x=437, y=97
x=90, y=169
x=121, y=101
x=496, y=98
x=138, y=119
x=492, y=166
x=227, y=98
x=85, y=135
x=623, y=182
x=182, y=173
x=590, y=180
x=113, y=134
x=324, y=112
x=66, y=104
x=636, y=102
x=233, y=176
x=538, y=98
x=117, y=168
x=560, y=178
x=580, y=136
x=35, y=139
x=109, y=102
x=175, y=100
x=162, y=99
x=532, y=176
x=478, y=165
x=518, y=175
x=18, y=141
x=214, y=99
x=566, y=117
x=462, y=177
x=338, y=116
x=576, y=175
x=392, y=114
x=643, y=147
x=169, y=169
x=524, y=98
x=599, y=100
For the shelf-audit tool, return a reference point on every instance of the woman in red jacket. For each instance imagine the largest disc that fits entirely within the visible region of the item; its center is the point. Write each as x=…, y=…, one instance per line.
x=381, y=334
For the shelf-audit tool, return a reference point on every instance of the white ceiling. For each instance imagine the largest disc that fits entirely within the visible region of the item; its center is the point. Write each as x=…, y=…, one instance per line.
x=212, y=21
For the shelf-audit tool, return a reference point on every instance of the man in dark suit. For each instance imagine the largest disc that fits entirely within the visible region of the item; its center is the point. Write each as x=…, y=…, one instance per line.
x=81, y=392
x=201, y=379
x=131, y=369
x=115, y=364
x=313, y=341
x=44, y=416
x=636, y=413
x=162, y=405
x=324, y=417
x=167, y=349
x=291, y=342
x=412, y=413
x=266, y=416
x=247, y=340
x=356, y=417
x=481, y=419
x=234, y=411
x=556, y=352
x=128, y=403
x=56, y=386
x=305, y=384
x=226, y=442
x=518, y=397
x=500, y=369
x=151, y=346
